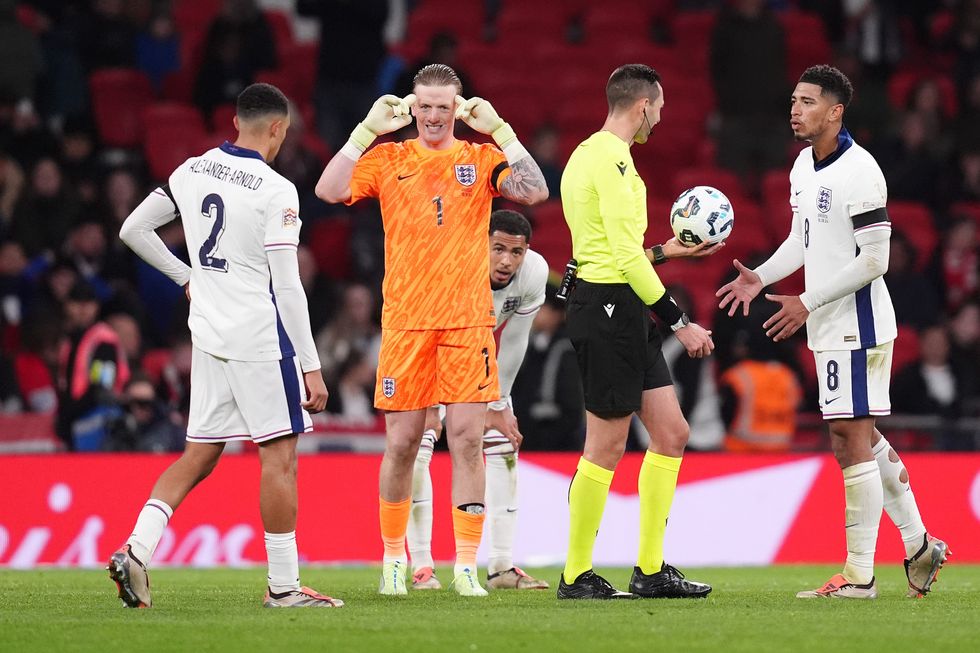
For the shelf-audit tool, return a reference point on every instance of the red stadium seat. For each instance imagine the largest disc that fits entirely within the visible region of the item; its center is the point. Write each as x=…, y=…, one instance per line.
x=282, y=32
x=222, y=124
x=300, y=61
x=174, y=114
x=551, y=238
x=691, y=33
x=603, y=24
x=724, y=180
x=906, y=348
x=903, y=83
x=172, y=134
x=119, y=96
x=803, y=52
x=915, y=221
x=971, y=209
x=330, y=245
x=433, y=16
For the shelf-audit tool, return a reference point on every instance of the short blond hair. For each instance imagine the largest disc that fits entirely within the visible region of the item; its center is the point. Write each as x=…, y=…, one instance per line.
x=438, y=74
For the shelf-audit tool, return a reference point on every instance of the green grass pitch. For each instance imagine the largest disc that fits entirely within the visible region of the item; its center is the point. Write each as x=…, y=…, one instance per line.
x=751, y=609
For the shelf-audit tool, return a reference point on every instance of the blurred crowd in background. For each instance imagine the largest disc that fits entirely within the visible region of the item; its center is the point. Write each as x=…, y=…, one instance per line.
x=101, y=99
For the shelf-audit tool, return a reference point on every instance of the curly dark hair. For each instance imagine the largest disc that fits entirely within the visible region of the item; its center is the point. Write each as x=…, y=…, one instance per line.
x=260, y=100
x=831, y=81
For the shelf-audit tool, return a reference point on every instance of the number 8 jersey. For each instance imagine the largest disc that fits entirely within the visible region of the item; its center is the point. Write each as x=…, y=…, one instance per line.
x=235, y=208
x=834, y=201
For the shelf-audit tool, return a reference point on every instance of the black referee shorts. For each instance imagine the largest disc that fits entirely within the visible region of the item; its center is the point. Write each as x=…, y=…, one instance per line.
x=617, y=344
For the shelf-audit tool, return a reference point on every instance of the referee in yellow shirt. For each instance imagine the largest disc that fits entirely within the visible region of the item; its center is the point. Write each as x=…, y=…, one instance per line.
x=617, y=345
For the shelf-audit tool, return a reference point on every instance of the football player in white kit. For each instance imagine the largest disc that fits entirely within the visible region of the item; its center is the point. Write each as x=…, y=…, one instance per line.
x=255, y=374
x=840, y=233
x=518, y=276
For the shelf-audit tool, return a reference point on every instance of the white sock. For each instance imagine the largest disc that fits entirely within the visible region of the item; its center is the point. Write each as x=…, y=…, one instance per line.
x=152, y=520
x=501, y=500
x=419, y=534
x=863, y=496
x=899, y=501
x=280, y=548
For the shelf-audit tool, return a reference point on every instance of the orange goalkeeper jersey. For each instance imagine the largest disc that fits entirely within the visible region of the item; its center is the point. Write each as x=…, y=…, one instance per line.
x=435, y=205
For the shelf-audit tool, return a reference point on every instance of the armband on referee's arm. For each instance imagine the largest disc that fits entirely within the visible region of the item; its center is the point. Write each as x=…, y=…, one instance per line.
x=666, y=310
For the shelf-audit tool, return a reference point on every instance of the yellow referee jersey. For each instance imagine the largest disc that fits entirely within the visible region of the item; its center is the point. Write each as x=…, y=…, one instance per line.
x=605, y=206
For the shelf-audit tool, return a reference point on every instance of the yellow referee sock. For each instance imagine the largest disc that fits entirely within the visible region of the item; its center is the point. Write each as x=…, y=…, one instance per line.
x=658, y=480
x=586, y=501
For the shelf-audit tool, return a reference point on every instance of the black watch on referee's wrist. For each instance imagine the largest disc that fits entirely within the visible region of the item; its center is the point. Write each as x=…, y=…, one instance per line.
x=658, y=255
x=681, y=323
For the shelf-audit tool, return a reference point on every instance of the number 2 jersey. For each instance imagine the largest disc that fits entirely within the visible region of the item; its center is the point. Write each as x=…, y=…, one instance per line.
x=833, y=201
x=234, y=208
x=435, y=205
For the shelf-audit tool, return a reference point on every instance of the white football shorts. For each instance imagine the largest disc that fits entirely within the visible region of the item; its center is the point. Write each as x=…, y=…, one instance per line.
x=245, y=400
x=854, y=383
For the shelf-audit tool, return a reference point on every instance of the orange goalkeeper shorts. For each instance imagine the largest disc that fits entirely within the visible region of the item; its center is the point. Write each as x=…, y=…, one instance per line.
x=417, y=369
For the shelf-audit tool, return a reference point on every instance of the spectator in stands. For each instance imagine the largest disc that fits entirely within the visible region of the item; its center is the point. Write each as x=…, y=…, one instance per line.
x=346, y=85
x=352, y=394
x=874, y=35
x=20, y=56
x=955, y=267
x=85, y=247
x=36, y=363
x=544, y=149
x=14, y=292
x=443, y=48
x=46, y=211
x=300, y=165
x=759, y=400
x=936, y=384
x=964, y=336
x=917, y=303
x=911, y=163
x=966, y=183
x=239, y=44
x=11, y=187
x=547, y=392
x=146, y=423
x=748, y=69
x=130, y=339
x=92, y=371
x=319, y=290
x=352, y=329
x=107, y=36
x=158, y=48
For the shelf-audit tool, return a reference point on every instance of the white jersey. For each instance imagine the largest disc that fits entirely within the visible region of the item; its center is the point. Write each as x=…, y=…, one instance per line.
x=832, y=202
x=234, y=209
x=524, y=295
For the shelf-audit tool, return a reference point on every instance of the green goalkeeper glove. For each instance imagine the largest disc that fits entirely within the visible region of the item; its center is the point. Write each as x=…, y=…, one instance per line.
x=388, y=113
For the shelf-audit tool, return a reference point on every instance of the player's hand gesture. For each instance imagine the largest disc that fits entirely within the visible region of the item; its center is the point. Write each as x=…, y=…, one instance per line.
x=790, y=317
x=389, y=113
x=504, y=422
x=478, y=114
x=742, y=290
x=316, y=392
x=674, y=249
x=696, y=340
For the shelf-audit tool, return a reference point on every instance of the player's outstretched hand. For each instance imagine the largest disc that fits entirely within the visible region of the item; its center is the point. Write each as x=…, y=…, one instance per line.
x=504, y=422
x=741, y=291
x=478, y=114
x=790, y=317
x=389, y=113
x=316, y=392
x=674, y=249
x=696, y=340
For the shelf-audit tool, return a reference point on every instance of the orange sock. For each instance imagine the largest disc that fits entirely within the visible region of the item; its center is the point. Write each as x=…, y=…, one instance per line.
x=394, y=524
x=468, y=529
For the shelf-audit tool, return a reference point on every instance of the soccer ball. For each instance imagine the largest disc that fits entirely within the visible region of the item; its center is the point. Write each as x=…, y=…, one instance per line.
x=701, y=214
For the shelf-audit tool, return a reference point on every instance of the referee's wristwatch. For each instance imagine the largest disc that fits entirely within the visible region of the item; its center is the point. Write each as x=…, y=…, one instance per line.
x=681, y=323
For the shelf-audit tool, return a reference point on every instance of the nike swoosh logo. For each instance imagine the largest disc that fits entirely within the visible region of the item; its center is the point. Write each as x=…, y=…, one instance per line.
x=797, y=192
x=854, y=524
x=402, y=177
x=483, y=387
x=512, y=510
x=827, y=402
